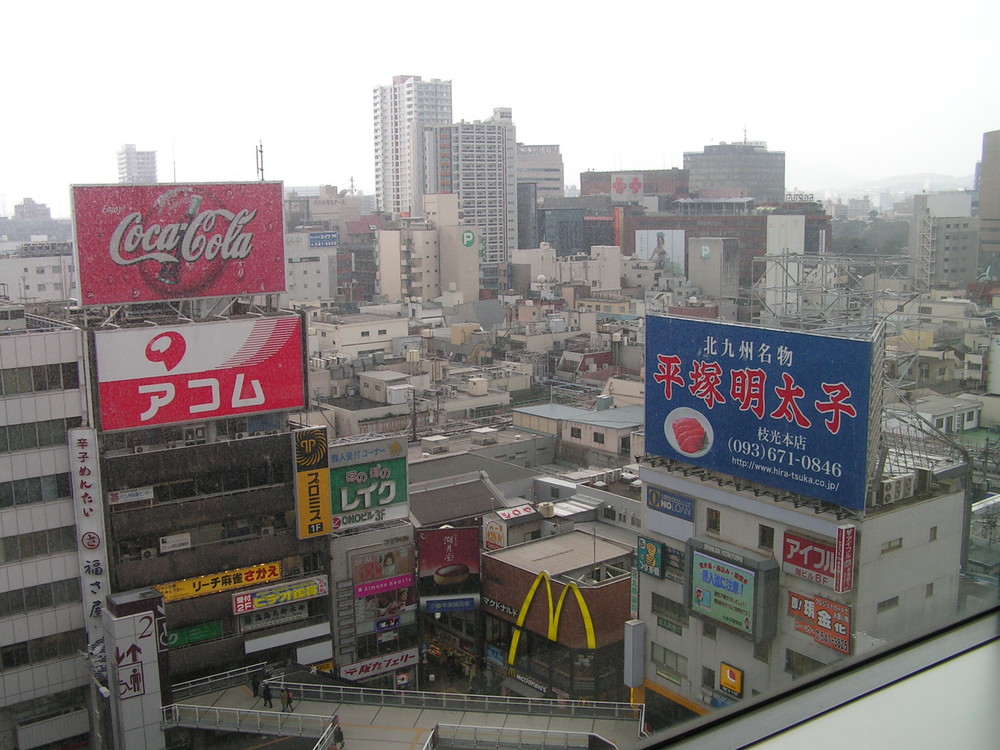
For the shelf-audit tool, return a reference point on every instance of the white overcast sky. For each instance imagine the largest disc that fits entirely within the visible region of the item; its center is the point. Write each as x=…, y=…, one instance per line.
x=861, y=90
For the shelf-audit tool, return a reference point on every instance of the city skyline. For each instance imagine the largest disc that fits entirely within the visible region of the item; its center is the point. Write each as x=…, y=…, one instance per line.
x=653, y=85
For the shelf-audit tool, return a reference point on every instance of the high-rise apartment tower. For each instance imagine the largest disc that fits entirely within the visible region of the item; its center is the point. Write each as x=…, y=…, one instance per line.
x=136, y=167
x=402, y=111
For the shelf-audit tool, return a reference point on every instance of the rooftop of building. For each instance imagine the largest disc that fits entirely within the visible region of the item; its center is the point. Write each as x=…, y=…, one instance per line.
x=454, y=464
x=619, y=418
x=560, y=554
x=453, y=498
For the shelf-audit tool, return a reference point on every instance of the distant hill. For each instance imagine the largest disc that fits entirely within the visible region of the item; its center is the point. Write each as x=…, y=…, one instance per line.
x=826, y=179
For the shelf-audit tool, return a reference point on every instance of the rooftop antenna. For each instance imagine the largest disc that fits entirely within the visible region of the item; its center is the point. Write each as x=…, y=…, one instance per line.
x=173, y=153
x=744, y=135
x=260, y=161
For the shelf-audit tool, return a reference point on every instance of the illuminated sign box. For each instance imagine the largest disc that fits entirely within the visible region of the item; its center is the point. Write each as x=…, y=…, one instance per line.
x=786, y=409
x=312, y=482
x=733, y=588
x=285, y=593
x=368, y=493
x=215, y=583
x=159, y=375
x=145, y=243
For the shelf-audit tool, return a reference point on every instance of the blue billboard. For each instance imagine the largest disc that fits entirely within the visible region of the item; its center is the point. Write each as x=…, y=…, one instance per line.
x=324, y=239
x=787, y=409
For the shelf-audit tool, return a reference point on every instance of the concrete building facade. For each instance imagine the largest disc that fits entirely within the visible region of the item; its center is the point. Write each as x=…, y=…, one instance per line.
x=736, y=170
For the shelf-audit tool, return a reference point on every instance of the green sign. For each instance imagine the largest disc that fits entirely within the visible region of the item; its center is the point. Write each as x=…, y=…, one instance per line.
x=206, y=631
x=468, y=238
x=368, y=493
x=722, y=591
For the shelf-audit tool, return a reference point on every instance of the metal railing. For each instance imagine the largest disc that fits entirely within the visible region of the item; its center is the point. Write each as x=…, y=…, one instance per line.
x=463, y=702
x=244, y=720
x=472, y=738
x=214, y=682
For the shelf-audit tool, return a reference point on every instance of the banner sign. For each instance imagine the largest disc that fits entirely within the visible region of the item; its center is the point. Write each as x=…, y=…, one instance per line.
x=846, y=541
x=449, y=561
x=670, y=503
x=380, y=664
x=159, y=375
x=826, y=622
x=133, y=495
x=280, y=615
x=285, y=593
x=787, y=409
x=312, y=482
x=206, y=631
x=368, y=493
x=218, y=582
x=145, y=243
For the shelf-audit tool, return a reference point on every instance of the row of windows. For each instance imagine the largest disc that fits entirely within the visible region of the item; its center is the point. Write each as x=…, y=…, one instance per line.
x=18, y=437
x=38, y=650
x=14, y=380
x=34, y=490
x=37, y=543
x=42, y=596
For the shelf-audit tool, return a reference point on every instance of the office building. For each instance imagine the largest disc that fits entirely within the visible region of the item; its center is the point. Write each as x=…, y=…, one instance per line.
x=989, y=205
x=543, y=166
x=944, y=241
x=737, y=170
x=136, y=167
x=402, y=110
x=477, y=161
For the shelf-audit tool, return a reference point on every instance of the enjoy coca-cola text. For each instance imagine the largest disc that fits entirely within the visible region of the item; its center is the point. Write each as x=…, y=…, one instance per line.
x=133, y=243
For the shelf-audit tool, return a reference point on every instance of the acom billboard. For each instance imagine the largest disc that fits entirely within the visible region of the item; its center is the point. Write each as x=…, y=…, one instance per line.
x=144, y=243
x=787, y=409
x=160, y=375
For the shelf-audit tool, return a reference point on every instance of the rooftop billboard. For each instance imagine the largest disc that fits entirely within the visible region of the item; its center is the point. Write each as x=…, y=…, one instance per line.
x=144, y=243
x=787, y=409
x=161, y=375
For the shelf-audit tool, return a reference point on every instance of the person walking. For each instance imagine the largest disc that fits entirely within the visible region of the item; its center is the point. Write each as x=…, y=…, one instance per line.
x=287, y=698
x=255, y=684
x=338, y=736
x=266, y=695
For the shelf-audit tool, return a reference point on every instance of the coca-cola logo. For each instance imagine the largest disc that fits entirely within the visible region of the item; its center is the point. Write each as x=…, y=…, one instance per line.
x=134, y=242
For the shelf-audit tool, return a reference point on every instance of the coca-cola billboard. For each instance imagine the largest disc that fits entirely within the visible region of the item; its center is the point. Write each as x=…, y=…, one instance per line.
x=162, y=375
x=143, y=243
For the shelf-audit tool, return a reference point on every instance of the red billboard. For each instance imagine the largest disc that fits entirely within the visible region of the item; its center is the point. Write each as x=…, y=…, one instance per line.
x=826, y=564
x=168, y=374
x=449, y=561
x=144, y=243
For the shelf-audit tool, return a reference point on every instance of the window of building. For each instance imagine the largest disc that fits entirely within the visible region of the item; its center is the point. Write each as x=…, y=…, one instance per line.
x=887, y=604
x=709, y=630
x=714, y=520
x=575, y=432
x=892, y=545
x=762, y=651
x=599, y=438
x=929, y=590
x=932, y=536
x=381, y=331
x=708, y=678
x=669, y=609
x=765, y=537
x=798, y=665
x=669, y=664
x=365, y=334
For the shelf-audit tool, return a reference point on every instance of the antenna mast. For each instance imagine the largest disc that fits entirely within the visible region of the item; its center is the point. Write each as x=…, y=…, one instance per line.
x=260, y=161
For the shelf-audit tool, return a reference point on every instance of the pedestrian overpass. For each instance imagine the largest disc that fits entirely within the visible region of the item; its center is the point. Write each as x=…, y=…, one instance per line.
x=400, y=719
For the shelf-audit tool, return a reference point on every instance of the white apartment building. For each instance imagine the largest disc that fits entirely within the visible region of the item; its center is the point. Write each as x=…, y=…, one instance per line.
x=944, y=240
x=136, y=167
x=44, y=682
x=601, y=270
x=477, y=161
x=39, y=272
x=402, y=111
x=310, y=267
x=428, y=258
x=353, y=336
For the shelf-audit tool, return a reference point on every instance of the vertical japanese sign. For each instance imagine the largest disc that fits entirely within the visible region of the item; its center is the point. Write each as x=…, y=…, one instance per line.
x=825, y=564
x=312, y=482
x=786, y=409
x=92, y=540
x=846, y=541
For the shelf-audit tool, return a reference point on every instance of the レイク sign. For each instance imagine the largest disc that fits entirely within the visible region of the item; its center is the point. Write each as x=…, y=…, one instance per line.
x=143, y=243
x=789, y=410
x=164, y=375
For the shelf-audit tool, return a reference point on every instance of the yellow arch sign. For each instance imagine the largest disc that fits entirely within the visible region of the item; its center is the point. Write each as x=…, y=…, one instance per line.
x=554, y=615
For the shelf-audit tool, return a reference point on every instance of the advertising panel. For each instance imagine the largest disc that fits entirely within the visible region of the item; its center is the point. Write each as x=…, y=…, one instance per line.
x=449, y=569
x=787, y=409
x=217, y=582
x=369, y=493
x=671, y=503
x=626, y=186
x=280, y=615
x=360, y=670
x=730, y=680
x=723, y=591
x=665, y=246
x=284, y=593
x=144, y=243
x=826, y=564
x=206, y=631
x=494, y=533
x=312, y=482
x=383, y=582
x=650, y=557
x=372, y=450
x=826, y=622
x=169, y=374
x=324, y=239
x=554, y=613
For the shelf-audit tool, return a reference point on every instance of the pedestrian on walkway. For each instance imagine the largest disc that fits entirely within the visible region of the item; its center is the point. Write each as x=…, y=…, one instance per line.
x=338, y=736
x=287, y=698
x=255, y=684
x=266, y=695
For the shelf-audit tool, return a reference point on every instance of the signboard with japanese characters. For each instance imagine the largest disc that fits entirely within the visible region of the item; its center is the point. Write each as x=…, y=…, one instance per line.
x=92, y=547
x=649, y=557
x=283, y=593
x=826, y=622
x=494, y=532
x=826, y=564
x=206, y=631
x=159, y=375
x=347, y=454
x=368, y=493
x=312, y=482
x=218, y=582
x=143, y=243
x=361, y=670
x=787, y=409
x=449, y=569
x=280, y=615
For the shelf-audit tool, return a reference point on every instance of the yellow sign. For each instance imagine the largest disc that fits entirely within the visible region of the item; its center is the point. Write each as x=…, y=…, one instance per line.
x=553, y=631
x=216, y=582
x=312, y=483
x=730, y=679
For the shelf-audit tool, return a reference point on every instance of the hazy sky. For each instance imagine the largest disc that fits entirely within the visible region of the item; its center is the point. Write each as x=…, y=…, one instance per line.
x=855, y=89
